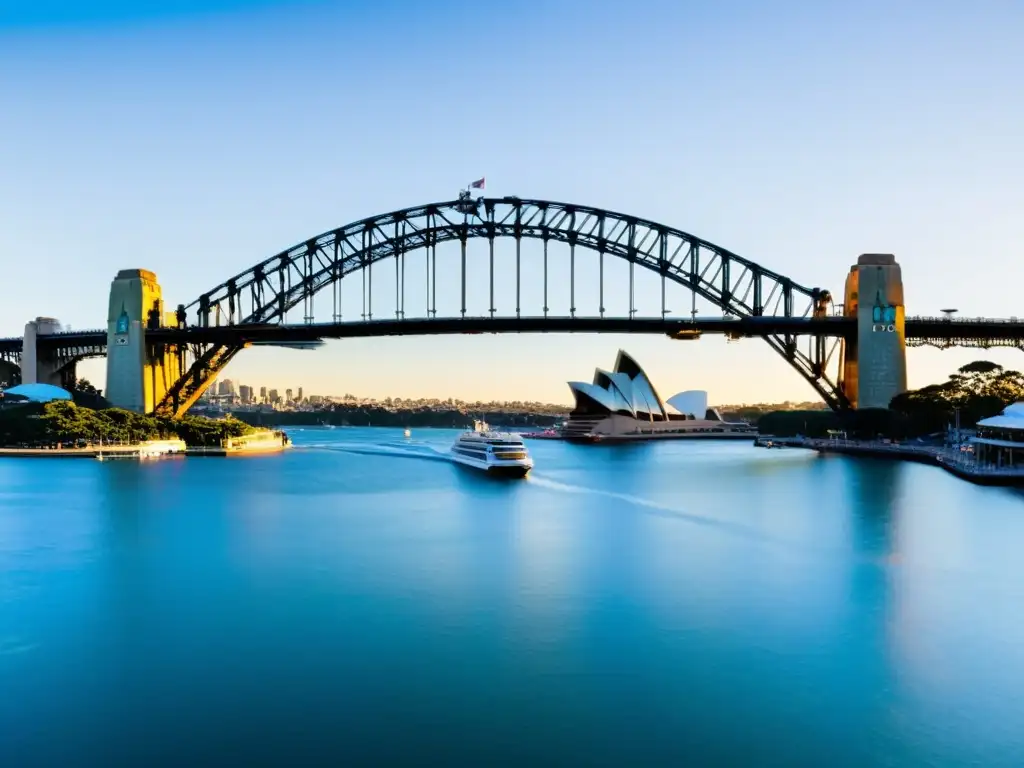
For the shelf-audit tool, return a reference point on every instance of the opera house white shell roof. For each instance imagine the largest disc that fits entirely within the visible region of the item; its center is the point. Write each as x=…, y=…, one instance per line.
x=626, y=390
x=694, y=402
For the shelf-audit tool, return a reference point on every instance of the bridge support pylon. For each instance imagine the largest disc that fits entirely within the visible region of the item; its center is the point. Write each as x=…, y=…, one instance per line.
x=138, y=373
x=39, y=368
x=874, y=365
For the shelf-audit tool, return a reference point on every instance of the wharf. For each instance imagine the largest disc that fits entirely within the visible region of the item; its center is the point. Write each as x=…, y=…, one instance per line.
x=221, y=451
x=67, y=453
x=770, y=441
x=982, y=474
x=954, y=461
x=256, y=443
x=260, y=442
x=153, y=449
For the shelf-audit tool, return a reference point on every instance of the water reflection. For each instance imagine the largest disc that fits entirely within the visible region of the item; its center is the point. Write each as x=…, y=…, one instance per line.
x=875, y=489
x=622, y=601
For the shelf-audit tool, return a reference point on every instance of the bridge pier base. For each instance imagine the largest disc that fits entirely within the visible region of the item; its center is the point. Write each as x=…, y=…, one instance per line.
x=37, y=367
x=874, y=365
x=138, y=373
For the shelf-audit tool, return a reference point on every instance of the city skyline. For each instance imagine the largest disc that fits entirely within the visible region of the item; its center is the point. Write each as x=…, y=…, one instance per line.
x=798, y=138
x=226, y=391
x=237, y=393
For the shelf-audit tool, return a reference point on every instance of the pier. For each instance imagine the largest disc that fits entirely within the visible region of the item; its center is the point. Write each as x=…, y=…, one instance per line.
x=151, y=449
x=260, y=442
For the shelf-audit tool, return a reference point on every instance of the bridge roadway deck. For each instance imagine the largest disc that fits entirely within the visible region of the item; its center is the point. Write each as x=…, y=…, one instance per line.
x=916, y=328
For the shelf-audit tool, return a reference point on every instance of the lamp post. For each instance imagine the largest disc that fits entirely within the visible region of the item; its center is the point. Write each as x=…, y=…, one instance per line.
x=956, y=427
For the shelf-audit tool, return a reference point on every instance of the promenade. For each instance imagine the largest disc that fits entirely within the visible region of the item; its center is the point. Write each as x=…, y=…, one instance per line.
x=150, y=449
x=262, y=441
x=950, y=458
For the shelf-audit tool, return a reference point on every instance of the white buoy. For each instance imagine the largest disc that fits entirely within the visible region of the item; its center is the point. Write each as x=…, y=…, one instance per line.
x=408, y=433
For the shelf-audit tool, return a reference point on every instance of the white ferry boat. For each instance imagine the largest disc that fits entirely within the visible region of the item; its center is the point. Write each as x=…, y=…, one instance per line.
x=497, y=453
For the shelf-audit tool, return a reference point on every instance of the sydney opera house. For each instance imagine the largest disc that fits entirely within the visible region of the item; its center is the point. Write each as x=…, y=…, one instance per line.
x=623, y=405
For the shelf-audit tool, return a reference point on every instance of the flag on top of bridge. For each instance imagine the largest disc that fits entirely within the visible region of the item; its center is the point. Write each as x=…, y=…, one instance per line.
x=478, y=184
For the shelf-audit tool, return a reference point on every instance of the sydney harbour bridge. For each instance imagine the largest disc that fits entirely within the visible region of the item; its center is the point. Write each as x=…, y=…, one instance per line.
x=849, y=347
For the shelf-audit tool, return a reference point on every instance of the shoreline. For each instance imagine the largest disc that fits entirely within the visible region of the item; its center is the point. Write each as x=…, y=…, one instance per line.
x=259, y=443
x=936, y=456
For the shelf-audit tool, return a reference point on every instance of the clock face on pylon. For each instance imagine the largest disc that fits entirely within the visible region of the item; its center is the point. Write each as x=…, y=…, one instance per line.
x=883, y=312
x=122, y=322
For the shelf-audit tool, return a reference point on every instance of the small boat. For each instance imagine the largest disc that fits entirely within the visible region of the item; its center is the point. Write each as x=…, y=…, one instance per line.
x=547, y=434
x=408, y=433
x=496, y=453
x=119, y=456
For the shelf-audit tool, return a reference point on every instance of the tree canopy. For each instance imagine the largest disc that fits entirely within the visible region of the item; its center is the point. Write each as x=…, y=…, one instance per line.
x=62, y=421
x=979, y=390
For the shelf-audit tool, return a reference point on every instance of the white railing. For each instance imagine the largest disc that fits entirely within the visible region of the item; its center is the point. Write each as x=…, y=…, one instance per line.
x=927, y=450
x=946, y=455
x=962, y=320
x=972, y=466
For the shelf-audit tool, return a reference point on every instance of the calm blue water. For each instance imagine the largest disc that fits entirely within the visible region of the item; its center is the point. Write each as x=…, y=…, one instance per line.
x=359, y=601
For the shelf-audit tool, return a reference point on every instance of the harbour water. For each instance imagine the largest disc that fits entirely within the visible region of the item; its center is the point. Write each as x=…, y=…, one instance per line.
x=359, y=600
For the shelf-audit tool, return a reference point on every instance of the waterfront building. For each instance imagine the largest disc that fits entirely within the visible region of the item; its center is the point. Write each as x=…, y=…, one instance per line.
x=1000, y=439
x=622, y=404
x=34, y=393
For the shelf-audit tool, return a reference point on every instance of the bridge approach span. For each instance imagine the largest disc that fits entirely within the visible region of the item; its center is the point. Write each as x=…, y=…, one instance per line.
x=920, y=331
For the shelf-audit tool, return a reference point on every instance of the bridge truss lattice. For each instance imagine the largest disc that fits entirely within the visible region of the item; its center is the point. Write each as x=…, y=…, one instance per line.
x=314, y=269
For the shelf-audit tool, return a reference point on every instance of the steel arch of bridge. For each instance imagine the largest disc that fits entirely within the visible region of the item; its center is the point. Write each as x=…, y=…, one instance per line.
x=266, y=292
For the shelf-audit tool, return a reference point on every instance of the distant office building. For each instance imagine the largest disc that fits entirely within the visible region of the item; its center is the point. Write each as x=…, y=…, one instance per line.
x=273, y=396
x=245, y=393
x=263, y=394
x=288, y=396
x=298, y=397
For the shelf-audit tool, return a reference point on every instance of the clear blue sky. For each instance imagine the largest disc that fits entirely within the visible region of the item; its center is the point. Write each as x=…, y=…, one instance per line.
x=196, y=138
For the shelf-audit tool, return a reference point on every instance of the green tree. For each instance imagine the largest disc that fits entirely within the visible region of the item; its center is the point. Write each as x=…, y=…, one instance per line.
x=61, y=421
x=85, y=387
x=20, y=425
x=815, y=423
x=978, y=390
